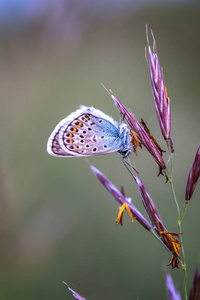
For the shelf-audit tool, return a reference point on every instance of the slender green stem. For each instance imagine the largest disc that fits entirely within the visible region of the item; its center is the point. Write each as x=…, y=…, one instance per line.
x=179, y=222
x=186, y=204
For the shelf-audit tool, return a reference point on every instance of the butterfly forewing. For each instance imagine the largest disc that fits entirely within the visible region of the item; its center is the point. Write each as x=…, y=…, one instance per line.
x=89, y=135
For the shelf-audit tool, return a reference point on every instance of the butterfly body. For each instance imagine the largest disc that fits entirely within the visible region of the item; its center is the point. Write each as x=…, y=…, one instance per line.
x=86, y=132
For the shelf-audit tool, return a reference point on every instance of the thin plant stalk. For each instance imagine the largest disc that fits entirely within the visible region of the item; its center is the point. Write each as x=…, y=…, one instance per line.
x=184, y=211
x=183, y=265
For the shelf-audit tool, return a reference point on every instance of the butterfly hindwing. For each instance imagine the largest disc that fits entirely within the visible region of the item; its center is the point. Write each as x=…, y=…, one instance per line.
x=87, y=132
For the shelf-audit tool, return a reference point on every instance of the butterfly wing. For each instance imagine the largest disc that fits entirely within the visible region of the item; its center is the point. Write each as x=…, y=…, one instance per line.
x=85, y=132
x=53, y=146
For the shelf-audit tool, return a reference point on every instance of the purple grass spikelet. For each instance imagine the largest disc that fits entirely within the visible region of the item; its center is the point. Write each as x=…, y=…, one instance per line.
x=171, y=290
x=193, y=176
x=120, y=198
x=161, y=97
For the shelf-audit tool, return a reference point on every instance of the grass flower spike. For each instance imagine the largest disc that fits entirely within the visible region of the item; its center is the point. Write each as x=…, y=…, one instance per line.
x=120, y=198
x=161, y=98
x=149, y=206
x=167, y=238
x=75, y=294
x=139, y=131
x=172, y=244
x=195, y=290
x=171, y=291
x=193, y=176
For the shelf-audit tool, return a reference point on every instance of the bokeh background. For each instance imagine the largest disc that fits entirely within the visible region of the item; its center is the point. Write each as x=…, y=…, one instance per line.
x=57, y=223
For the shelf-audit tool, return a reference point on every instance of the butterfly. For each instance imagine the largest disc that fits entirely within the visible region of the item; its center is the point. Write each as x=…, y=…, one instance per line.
x=87, y=132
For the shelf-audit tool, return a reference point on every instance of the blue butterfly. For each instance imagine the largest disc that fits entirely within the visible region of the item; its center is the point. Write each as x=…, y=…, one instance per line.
x=86, y=132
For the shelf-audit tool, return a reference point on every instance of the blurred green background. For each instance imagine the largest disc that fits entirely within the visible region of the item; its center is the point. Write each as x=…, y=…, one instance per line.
x=57, y=223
